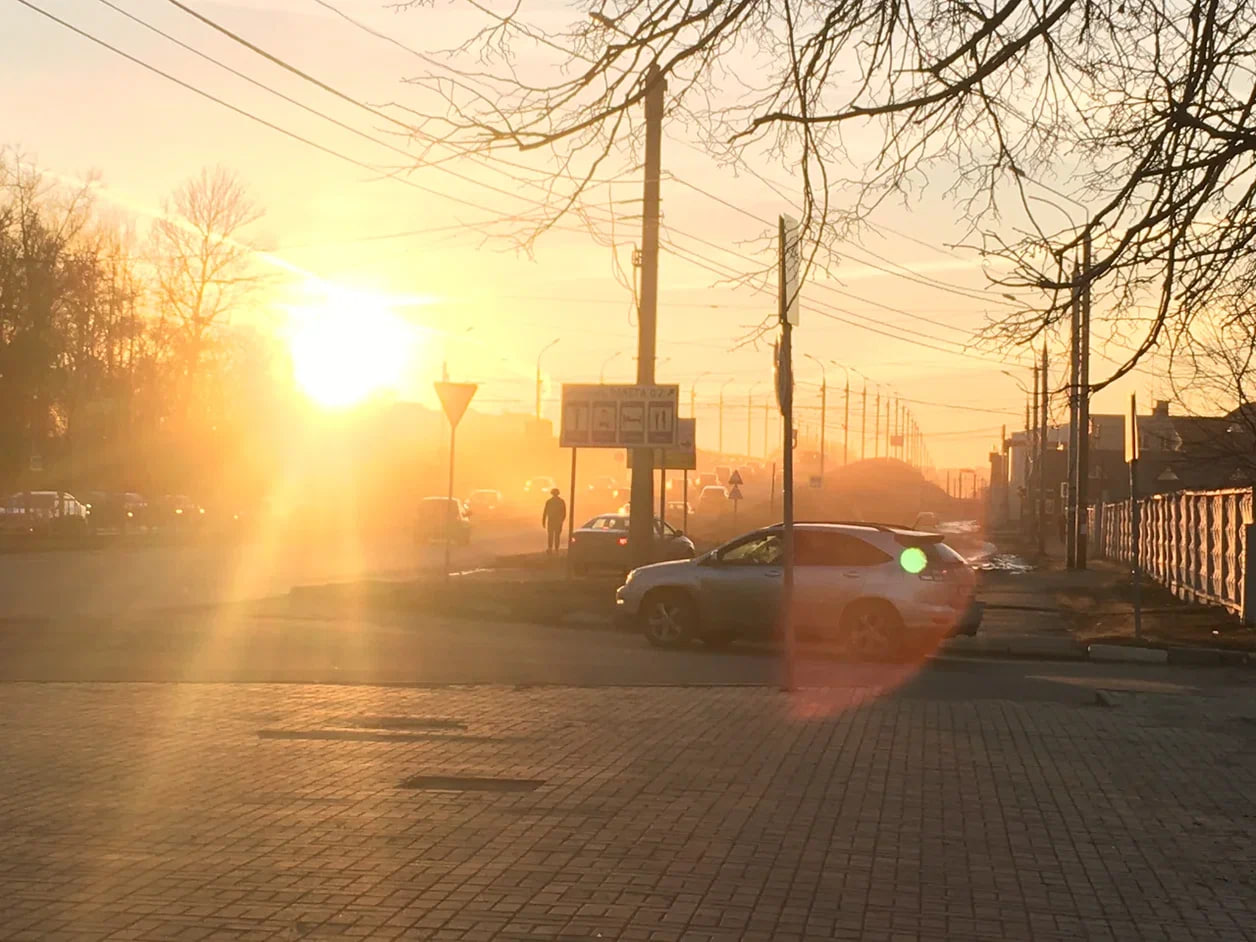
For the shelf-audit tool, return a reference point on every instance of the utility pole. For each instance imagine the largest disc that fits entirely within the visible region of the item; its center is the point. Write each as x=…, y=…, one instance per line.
x=640, y=521
x=721, y=420
x=1070, y=507
x=539, y=383
x=749, y=418
x=1042, y=454
x=863, y=423
x=876, y=426
x=1083, y=408
x=846, y=423
x=767, y=405
x=1031, y=492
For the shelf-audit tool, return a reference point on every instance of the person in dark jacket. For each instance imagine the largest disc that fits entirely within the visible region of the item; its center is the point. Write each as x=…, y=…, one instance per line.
x=552, y=518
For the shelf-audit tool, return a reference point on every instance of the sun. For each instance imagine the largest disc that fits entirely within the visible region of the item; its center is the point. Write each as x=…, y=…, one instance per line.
x=348, y=350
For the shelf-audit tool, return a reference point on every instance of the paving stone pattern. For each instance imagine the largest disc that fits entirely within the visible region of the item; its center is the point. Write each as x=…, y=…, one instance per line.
x=158, y=812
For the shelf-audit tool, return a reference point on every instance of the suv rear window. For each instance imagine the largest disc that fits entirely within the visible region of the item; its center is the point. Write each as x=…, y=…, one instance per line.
x=831, y=548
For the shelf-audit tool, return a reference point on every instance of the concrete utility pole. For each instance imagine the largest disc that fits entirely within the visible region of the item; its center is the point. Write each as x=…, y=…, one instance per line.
x=767, y=406
x=1042, y=454
x=863, y=422
x=640, y=522
x=1070, y=507
x=846, y=423
x=1083, y=407
x=1035, y=469
x=721, y=420
x=876, y=426
x=539, y=383
x=824, y=404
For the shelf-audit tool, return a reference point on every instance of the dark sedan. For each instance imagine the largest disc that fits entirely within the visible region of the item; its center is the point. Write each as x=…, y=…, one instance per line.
x=602, y=543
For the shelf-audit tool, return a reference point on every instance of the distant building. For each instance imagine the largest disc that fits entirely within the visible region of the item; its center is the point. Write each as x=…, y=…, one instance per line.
x=1177, y=452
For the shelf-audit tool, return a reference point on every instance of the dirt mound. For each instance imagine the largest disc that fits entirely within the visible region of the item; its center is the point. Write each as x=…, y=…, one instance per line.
x=885, y=489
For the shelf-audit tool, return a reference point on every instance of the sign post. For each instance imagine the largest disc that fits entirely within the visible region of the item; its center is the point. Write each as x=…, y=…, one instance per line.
x=571, y=511
x=454, y=399
x=789, y=268
x=639, y=417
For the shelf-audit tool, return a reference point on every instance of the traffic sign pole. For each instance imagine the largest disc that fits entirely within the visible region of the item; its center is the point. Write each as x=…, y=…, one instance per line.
x=571, y=511
x=787, y=286
x=454, y=399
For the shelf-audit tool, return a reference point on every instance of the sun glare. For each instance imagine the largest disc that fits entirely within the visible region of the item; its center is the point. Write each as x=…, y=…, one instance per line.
x=349, y=350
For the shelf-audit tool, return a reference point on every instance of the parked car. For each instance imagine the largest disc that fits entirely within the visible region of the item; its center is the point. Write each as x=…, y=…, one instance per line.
x=176, y=513
x=880, y=591
x=602, y=543
x=706, y=479
x=603, y=492
x=444, y=517
x=44, y=513
x=713, y=499
x=485, y=501
x=539, y=487
x=678, y=508
x=114, y=511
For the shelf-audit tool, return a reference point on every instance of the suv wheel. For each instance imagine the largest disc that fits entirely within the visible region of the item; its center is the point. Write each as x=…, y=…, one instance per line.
x=669, y=619
x=872, y=631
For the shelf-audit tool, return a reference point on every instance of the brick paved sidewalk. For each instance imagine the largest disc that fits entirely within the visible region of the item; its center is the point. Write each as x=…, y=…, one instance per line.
x=186, y=812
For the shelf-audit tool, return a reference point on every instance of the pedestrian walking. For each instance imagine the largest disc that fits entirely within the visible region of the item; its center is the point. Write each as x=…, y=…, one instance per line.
x=552, y=518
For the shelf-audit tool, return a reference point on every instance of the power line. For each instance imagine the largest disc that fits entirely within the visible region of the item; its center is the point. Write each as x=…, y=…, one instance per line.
x=974, y=294
x=836, y=290
x=320, y=84
x=248, y=114
x=827, y=312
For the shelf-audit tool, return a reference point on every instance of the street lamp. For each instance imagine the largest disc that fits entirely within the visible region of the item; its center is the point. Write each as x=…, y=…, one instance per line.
x=538, y=375
x=693, y=393
x=601, y=376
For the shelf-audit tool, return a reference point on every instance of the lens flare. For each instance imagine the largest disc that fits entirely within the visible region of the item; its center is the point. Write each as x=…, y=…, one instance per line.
x=913, y=560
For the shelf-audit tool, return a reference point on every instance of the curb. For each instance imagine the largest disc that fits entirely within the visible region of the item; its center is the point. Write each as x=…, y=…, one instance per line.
x=1127, y=654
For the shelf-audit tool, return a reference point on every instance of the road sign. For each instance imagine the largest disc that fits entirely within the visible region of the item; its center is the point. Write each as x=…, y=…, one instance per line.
x=454, y=399
x=619, y=416
x=735, y=479
x=790, y=249
x=684, y=457
x=734, y=493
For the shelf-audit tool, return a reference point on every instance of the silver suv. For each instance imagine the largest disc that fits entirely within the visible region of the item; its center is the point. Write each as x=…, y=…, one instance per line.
x=880, y=591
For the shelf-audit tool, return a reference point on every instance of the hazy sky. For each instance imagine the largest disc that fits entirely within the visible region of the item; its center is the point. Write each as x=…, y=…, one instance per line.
x=482, y=306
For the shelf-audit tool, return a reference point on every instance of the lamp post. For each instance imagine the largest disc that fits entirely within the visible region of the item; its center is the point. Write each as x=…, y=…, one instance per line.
x=693, y=393
x=538, y=375
x=601, y=375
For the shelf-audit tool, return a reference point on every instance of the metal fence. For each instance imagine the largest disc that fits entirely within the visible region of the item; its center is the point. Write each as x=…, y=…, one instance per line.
x=1195, y=543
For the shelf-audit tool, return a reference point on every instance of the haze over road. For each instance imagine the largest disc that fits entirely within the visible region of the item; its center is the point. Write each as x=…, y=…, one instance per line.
x=125, y=579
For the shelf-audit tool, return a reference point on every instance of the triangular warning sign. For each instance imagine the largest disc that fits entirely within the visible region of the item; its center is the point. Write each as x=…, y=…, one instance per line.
x=735, y=479
x=735, y=493
x=454, y=398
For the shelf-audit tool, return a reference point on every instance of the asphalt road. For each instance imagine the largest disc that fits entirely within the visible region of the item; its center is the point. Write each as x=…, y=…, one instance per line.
x=122, y=580
x=274, y=644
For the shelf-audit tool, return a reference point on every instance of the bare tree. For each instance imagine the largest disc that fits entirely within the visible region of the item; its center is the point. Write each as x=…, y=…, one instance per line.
x=1144, y=106
x=204, y=269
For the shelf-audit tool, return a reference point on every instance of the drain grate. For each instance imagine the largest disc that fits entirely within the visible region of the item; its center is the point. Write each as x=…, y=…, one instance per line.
x=470, y=783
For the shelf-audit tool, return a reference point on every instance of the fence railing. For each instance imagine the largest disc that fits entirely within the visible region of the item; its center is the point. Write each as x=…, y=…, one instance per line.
x=1195, y=543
